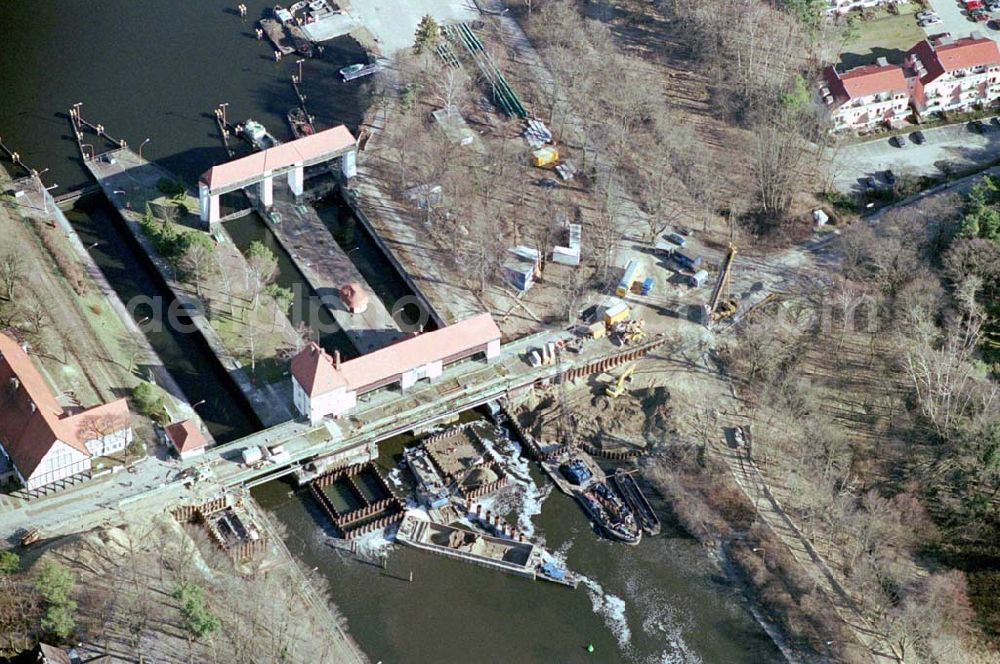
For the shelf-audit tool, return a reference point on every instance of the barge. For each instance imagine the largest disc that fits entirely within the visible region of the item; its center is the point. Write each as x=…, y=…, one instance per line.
x=276, y=35
x=577, y=474
x=519, y=558
x=625, y=484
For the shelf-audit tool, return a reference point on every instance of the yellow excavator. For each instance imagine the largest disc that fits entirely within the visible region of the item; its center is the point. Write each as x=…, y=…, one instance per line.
x=719, y=306
x=616, y=389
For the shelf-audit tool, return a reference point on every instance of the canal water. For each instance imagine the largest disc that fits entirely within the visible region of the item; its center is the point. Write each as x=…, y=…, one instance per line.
x=157, y=70
x=660, y=601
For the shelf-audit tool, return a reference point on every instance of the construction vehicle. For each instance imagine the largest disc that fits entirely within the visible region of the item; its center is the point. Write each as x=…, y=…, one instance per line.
x=629, y=332
x=617, y=388
x=721, y=307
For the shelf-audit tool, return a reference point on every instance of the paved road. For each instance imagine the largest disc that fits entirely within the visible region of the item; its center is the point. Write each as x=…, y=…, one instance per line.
x=156, y=484
x=954, y=146
x=954, y=20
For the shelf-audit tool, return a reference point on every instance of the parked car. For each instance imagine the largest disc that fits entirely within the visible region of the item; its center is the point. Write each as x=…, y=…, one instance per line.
x=938, y=36
x=973, y=4
x=980, y=15
x=890, y=177
x=677, y=239
x=918, y=137
x=930, y=20
x=897, y=141
x=925, y=15
x=993, y=25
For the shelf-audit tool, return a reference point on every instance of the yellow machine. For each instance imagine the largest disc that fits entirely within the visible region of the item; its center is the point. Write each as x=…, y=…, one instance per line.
x=630, y=332
x=616, y=389
x=719, y=308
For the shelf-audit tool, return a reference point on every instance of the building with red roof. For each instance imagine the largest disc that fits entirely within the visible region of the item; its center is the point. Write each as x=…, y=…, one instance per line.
x=866, y=97
x=953, y=75
x=323, y=385
x=39, y=440
x=186, y=438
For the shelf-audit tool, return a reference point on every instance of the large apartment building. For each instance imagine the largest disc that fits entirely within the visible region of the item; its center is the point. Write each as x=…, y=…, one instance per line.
x=953, y=75
x=939, y=74
x=866, y=97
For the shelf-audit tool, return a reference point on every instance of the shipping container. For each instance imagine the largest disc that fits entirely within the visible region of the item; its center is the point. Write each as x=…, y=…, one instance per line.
x=616, y=313
x=597, y=330
x=647, y=286
x=629, y=278
x=545, y=156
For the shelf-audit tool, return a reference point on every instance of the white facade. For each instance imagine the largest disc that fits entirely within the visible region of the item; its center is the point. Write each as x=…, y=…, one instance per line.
x=190, y=454
x=871, y=111
x=111, y=443
x=60, y=462
x=844, y=6
x=429, y=371
x=962, y=89
x=322, y=405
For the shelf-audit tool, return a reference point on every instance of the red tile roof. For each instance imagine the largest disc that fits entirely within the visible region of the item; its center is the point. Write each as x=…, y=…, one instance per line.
x=31, y=419
x=959, y=54
x=314, y=370
x=865, y=81
x=185, y=436
x=300, y=150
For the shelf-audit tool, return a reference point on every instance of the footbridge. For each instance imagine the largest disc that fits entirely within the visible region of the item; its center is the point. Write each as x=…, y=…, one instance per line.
x=388, y=413
x=288, y=159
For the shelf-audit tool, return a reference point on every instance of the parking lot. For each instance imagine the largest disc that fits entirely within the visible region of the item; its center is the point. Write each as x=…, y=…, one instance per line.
x=953, y=147
x=955, y=21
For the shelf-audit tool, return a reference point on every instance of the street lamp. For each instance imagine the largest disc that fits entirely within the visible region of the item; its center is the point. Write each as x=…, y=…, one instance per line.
x=222, y=107
x=195, y=405
x=299, y=63
x=763, y=554
x=91, y=246
x=140, y=147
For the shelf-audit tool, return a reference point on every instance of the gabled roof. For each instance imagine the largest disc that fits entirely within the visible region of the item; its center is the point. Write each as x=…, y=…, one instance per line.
x=31, y=420
x=29, y=413
x=307, y=148
x=865, y=81
x=964, y=53
x=313, y=368
x=185, y=436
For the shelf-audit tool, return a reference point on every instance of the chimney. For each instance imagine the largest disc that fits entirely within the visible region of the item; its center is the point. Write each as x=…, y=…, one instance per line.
x=882, y=62
x=336, y=360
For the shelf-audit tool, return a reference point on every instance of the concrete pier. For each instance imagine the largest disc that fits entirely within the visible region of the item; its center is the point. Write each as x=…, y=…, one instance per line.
x=129, y=181
x=326, y=267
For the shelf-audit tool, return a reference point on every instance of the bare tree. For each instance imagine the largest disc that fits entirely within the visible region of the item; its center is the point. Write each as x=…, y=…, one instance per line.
x=11, y=273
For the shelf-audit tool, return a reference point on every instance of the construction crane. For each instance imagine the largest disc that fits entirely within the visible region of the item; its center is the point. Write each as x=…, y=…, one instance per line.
x=616, y=389
x=720, y=307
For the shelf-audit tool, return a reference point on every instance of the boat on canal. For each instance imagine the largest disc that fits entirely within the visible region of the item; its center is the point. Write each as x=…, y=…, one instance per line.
x=301, y=123
x=519, y=558
x=577, y=474
x=624, y=483
x=257, y=135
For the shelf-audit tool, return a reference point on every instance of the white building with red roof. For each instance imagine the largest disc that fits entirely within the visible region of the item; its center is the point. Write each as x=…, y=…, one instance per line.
x=323, y=385
x=41, y=441
x=186, y=438
x=953, y=75
x=866, y=97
